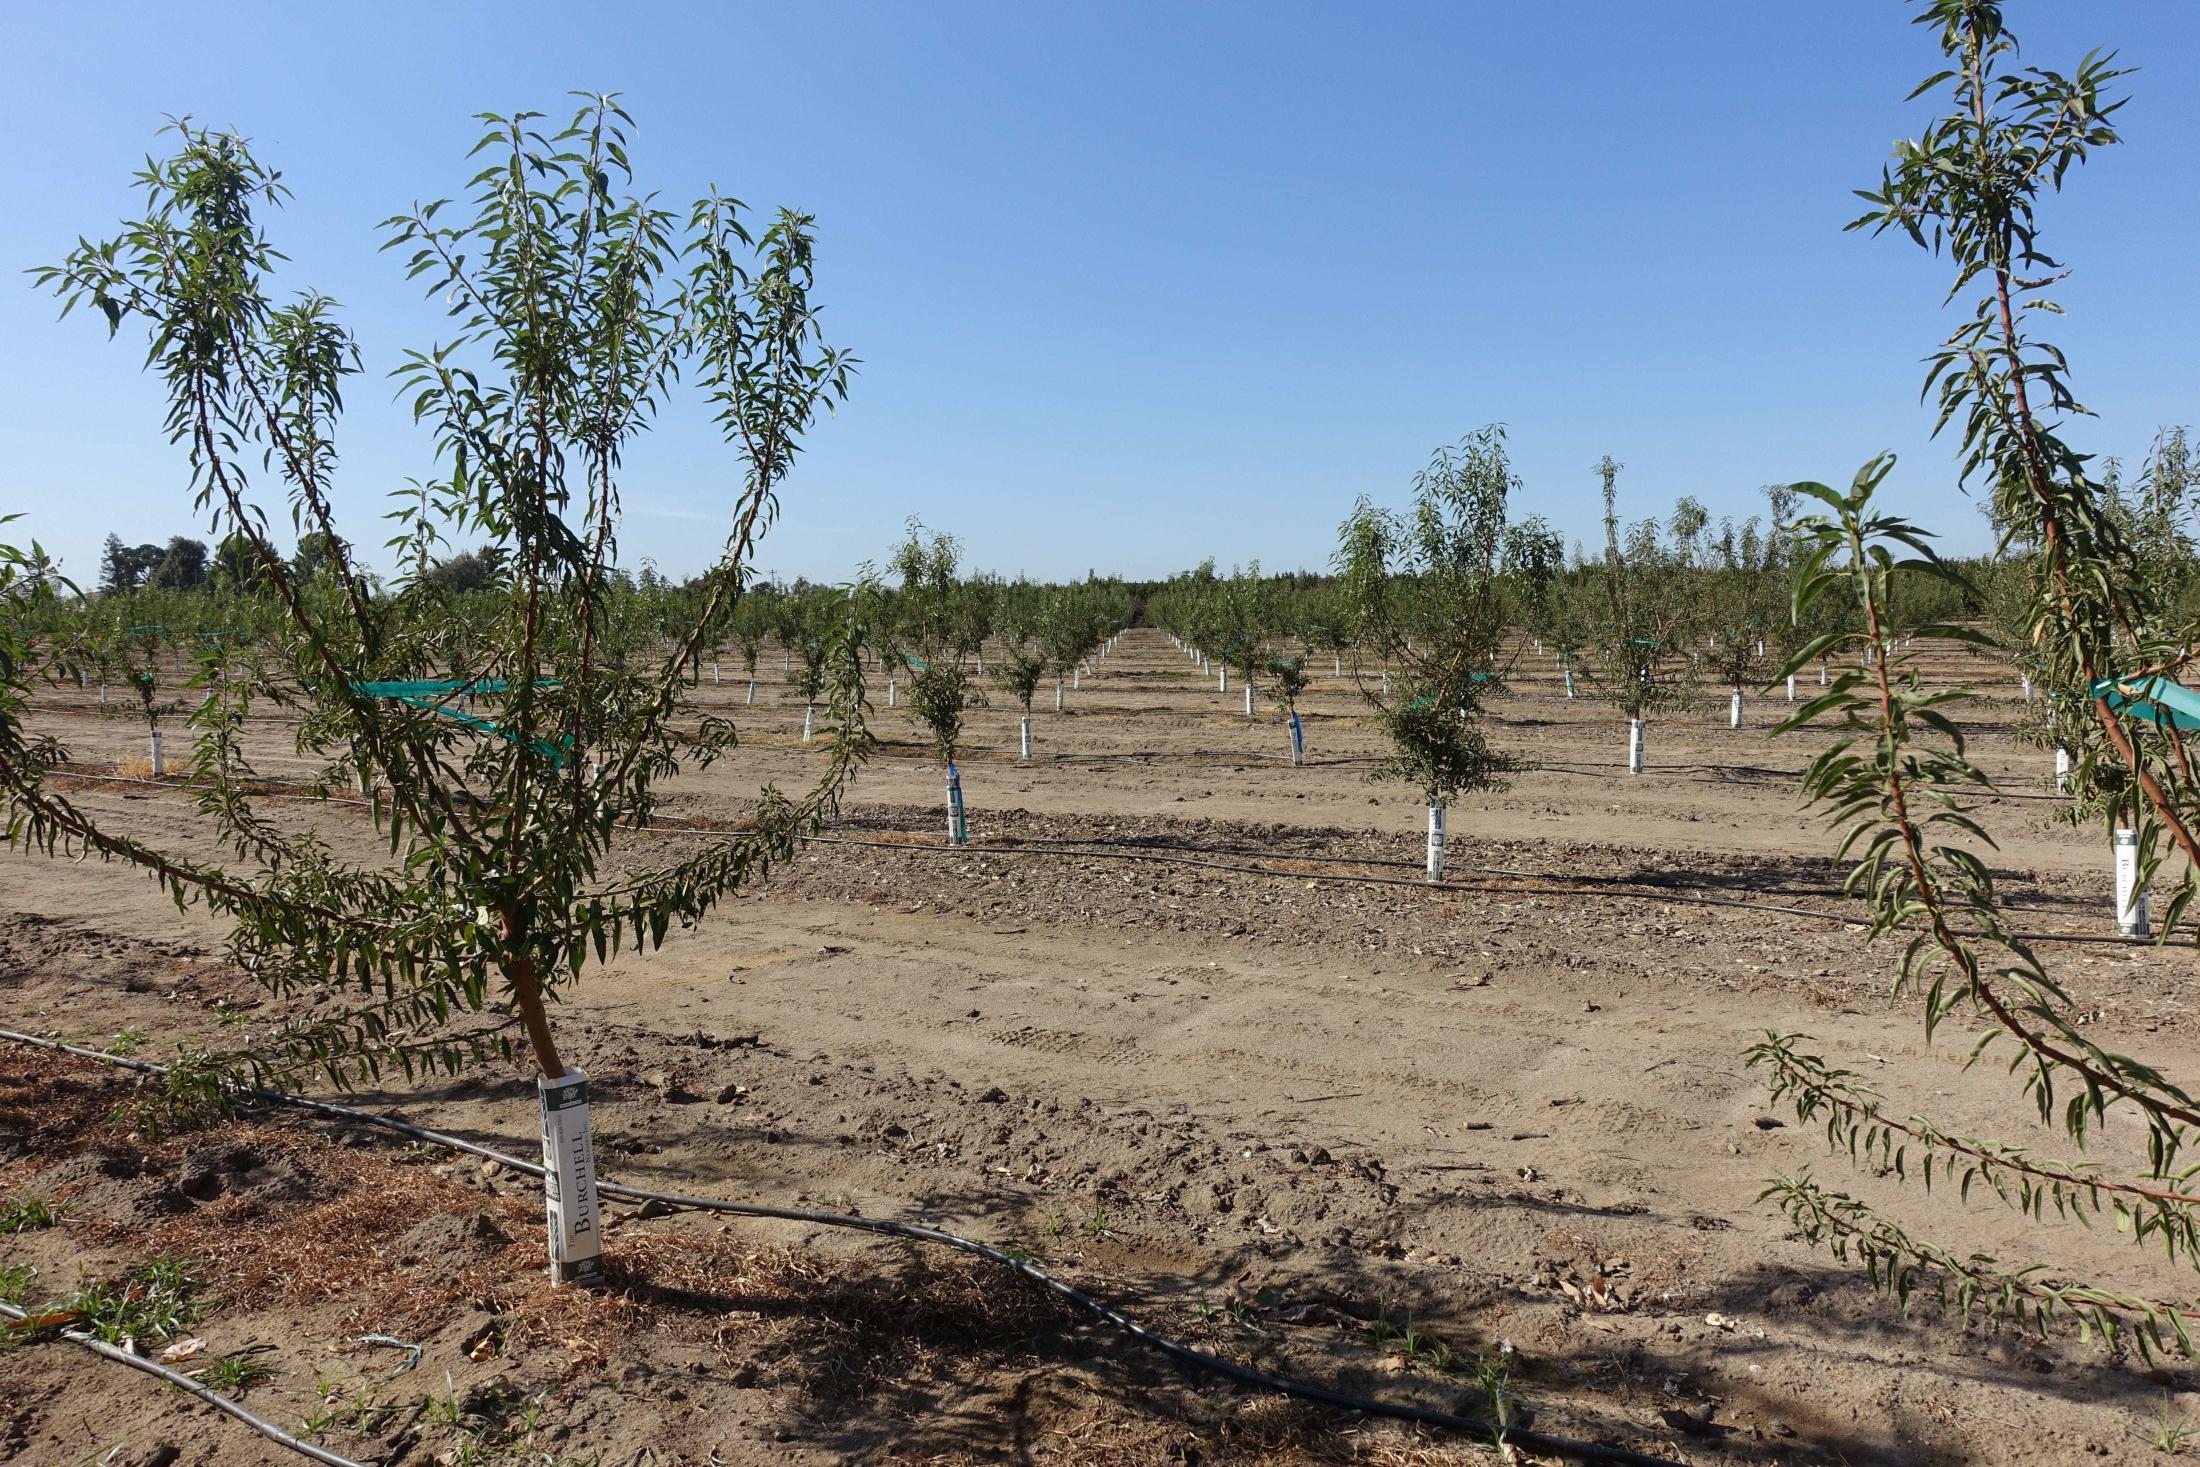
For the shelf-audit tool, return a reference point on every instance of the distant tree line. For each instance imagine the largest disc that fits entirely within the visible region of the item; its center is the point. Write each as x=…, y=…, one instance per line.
x=185, y=564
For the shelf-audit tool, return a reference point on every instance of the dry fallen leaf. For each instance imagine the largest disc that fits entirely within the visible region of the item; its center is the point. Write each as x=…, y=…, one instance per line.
x=1598, y=1294
x=182, y=1350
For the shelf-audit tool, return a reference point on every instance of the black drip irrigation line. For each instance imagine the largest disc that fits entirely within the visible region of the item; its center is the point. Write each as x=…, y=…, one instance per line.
x=1656, y=889
x=205, y=1393
x=1751, y=774
x=1554, y=886
x=1176, y=1350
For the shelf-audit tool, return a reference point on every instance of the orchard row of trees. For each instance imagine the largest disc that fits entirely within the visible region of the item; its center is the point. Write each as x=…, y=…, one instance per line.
x=580, y=303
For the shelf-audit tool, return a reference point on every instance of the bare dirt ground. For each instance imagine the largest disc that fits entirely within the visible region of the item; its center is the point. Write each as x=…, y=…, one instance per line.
x=1148, y=1031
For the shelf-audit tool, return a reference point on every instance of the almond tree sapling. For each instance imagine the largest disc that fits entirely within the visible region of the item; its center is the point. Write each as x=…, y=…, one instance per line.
x=1021, y=667
x=1631, y=613
x=1241, y=624
x=1742, y=597
x=929, y=623
x=1326, y=627
x=487, y=888
x=1423, y=589
x=813, y=630
x=1287, y=677
x=976, y=608
x=751, y=624
x=89, y=645
x=1535, y=563
x=1897, y=777
x=1068, y=631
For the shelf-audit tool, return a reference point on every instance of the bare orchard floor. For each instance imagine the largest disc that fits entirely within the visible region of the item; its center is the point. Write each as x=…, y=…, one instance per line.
x=1142, y=1031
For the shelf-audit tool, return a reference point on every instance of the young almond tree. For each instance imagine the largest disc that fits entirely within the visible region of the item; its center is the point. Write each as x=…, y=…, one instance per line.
x=1898, y=778
x=1021, y=667
x=1631, y=614
x=1325, y=627
x=1287, y=677
x=1743, y=596
x=1068, y=631
x=484, y=892
x=930, y=627
x=1423, y=588
x=1241, y=622
x=750, y=625
x=812, y=632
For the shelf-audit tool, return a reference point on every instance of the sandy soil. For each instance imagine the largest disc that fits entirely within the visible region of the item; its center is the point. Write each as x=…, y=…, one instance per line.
x=1278, y=1112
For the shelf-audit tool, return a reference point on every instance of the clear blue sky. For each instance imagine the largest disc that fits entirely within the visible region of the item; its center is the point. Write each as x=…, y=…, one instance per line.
x=1139, y=284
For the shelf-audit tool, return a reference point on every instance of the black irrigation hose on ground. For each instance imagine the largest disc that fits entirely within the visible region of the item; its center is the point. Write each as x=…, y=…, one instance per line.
x=205, y=1393
x=1673, y=898
x=1176, y=1350
x=1657, y=891
x=1608, y=888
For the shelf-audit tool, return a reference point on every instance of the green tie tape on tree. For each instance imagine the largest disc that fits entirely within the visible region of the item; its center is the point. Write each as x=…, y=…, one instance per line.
x=429, y=694
x=2157, y=700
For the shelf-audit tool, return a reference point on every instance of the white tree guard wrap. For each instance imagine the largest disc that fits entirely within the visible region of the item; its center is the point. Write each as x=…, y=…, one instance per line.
x=1248, y=700
x=1734, y=710
x=1821, y=674
x=1634, y=746
x=153, y=738
x=1057, y=695
x=1298, y=740
x=1023, y=730
x=1569, y=682
x=569, y=1191
x=715, y=679
x=1435, y=840
x=2131, y=902
x=891, y=693
x=1223, y=683
x=2062, y=771
x=1076, y=679
x=958, y=826
x=2027, y=683
x=809, y=721
x=752, y=692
